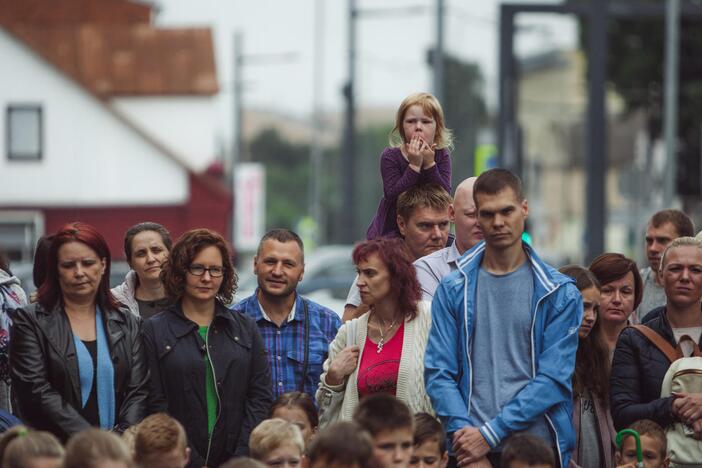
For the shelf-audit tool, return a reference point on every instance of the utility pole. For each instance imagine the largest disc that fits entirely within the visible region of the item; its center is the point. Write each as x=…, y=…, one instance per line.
x=596, y=161
x=315, y=195
x=670, y=122
x=348, y=222
x=237, y=147
x=439, y=53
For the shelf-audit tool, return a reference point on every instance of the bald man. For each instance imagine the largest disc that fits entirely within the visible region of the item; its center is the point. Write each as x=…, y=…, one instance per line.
x=431, y=268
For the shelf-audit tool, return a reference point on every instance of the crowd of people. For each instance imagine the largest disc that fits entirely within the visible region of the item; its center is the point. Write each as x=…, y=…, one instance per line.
x=461, y=349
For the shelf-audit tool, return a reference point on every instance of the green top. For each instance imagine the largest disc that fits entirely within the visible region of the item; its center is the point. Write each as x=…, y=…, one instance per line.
x=210, y=392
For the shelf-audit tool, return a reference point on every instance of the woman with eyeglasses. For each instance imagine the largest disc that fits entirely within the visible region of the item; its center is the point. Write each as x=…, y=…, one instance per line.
x=208, y=365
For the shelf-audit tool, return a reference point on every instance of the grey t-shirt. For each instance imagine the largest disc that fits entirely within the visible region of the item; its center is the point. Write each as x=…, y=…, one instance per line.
x=589, y=449
x=653, y=295
x=501, y=347
x=148, y=309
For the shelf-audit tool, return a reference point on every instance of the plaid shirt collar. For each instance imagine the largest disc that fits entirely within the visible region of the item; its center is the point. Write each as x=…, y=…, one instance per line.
x=294, y=315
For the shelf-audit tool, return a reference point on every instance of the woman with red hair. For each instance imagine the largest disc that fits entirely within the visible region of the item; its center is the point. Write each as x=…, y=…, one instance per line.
x=381, y=351
x=76, y=358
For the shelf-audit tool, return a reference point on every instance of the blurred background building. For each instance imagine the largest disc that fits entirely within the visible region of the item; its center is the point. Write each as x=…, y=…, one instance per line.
x=109, y=120
x=118, y=111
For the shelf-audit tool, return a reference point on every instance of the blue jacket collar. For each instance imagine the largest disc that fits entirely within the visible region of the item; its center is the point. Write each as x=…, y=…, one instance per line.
x=547, y=277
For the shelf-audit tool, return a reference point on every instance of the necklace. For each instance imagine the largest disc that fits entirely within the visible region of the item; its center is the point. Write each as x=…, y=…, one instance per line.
x=381, y=341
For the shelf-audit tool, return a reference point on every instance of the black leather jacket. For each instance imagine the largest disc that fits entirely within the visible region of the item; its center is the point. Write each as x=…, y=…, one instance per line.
x=638, y=370
x=44, y=369
x=176, y=354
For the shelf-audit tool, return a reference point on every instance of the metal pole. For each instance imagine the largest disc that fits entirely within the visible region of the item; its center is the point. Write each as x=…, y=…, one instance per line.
x=439, y=53
x=672, y=48
x=315, y=202
x=237, y=94
x=237, y=147
x=349, y=234
x=596, y=164
x=506, y=154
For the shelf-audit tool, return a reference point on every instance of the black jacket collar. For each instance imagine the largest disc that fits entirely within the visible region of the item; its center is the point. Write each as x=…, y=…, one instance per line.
x=183, y=325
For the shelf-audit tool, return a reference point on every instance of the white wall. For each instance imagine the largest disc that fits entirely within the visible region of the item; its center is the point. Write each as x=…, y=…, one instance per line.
x=91, y=157
x=184, y=124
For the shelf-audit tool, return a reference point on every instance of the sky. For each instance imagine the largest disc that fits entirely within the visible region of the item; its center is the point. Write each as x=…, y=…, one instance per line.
x=280, y=46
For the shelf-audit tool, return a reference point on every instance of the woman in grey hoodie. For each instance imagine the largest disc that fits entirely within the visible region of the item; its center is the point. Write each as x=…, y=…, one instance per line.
x=12, y=296
x=146, y=246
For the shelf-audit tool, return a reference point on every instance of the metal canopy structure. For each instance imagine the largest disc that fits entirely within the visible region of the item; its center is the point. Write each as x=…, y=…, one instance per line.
x=597, y=13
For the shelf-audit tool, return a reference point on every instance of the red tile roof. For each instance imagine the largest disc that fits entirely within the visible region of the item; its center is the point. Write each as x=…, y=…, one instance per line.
x=66, y=12
x=119, y=55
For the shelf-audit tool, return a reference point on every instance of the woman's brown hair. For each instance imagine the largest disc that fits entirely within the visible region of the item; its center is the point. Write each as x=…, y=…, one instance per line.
x=610, y=267
x=592, y=358
x=184, y=251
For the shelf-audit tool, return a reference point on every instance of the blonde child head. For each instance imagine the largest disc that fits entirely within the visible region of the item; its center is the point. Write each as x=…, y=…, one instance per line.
x=431, y=107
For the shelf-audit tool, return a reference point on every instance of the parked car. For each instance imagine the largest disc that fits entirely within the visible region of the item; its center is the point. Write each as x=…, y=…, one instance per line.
x=329, y=273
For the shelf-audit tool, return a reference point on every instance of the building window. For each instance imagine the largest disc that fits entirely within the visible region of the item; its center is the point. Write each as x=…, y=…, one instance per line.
x=24, y=132
x=19, y=232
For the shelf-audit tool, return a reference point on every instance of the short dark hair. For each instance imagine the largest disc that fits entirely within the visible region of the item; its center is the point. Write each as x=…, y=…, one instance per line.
x=651, y=429
x=281, y=235
x=584, y=279
x=428, y=428
x=681, y=222
x=383, y=412
x=528, y=449
x=344, y=443
x=41, y=258
x=185, y=249
x=422, y=196
x=496, y=180
x=297, y=400
x=5, y=263
x=142, y=227
x=610, y=267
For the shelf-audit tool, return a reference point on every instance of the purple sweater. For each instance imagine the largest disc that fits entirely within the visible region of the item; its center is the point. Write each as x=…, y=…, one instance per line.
x=397, y=178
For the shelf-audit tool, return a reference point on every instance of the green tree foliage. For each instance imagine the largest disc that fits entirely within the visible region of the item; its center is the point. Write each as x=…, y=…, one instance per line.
x=635, y=67
x=465, y=112
x=287, y=177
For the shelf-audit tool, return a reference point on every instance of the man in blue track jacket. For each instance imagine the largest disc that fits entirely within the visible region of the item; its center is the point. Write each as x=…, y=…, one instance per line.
x=504, y=334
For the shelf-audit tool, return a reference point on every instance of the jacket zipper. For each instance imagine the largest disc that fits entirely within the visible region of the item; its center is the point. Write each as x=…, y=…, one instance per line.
x=533, y=370
x=219, y=401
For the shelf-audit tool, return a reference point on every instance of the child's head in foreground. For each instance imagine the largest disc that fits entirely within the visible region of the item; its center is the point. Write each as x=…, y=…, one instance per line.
x=341, y=445
x=297, y=408
x=243, y=462
x=160, y=442
x=21, y=447
x=391, y=425
x=654, y=446
x=94, y=448
x=429, y=443
x=277, y=442
x=523, y=450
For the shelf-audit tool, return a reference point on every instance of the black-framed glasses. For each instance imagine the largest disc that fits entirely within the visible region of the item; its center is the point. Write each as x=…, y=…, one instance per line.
x=198, y=270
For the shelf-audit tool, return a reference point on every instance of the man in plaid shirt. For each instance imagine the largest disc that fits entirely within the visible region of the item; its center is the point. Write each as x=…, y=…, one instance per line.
x=296, y=331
